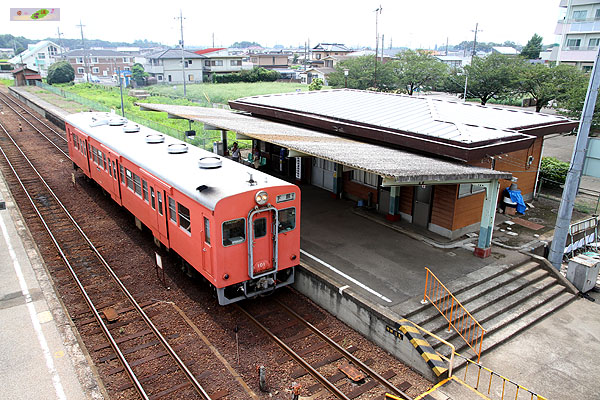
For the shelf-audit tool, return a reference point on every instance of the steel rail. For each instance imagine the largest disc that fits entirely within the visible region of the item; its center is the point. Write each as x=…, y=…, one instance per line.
x=39, y=120
x=330, y=386
x=134, y=303
x=39, y=131
x=346, y=354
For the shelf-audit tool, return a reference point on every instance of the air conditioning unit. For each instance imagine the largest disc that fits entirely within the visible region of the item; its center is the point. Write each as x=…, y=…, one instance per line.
x=583, y=272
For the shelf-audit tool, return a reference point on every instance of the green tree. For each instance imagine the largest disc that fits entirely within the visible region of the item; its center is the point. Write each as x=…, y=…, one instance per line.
x=532, y=49
x=316, y=84
x=546, y=84
x=361, y=73
x=60, y=72
x=570, y=102
x=138, y=74
x=416, y=69
x=492, y=77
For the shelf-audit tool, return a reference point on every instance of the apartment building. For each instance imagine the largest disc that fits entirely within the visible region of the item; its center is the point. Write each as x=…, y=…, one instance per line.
x=38, y=57
x=580, y=34
x=98, y=63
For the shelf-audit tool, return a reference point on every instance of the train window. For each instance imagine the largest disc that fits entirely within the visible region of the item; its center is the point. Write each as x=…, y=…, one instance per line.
x=138, y=185
x=109, y=168
x=234, y=232
x=104, y=161
x=287, y=219
x=152, y=198
x=122, y=175
x=184, y=217
x=206, y=230
x=145, y=190
x=114, y=167
x=128, y=179
x=172, y=213
x=160, y=201
x=260, y=227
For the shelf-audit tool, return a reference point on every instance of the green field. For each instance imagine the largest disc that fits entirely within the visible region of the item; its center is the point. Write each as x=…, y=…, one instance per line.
x=223, y=92
x=7, y=82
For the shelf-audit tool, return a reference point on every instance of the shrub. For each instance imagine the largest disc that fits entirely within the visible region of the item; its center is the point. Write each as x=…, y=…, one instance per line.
x=554, y=170
x=256, y=74
x=316, y=84
x=60, y=72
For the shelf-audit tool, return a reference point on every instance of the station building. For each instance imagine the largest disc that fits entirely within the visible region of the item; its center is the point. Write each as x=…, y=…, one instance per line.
x=437, y=164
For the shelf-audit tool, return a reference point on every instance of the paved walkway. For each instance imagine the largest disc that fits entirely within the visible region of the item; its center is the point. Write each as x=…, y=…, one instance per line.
x=40, y=357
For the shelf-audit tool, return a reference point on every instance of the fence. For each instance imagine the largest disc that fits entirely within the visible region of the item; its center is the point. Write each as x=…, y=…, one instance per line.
x=454, y=312
x=204, y=141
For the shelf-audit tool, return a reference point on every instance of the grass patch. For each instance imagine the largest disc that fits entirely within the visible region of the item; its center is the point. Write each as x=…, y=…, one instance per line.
x=7, y=82
x=223, y=92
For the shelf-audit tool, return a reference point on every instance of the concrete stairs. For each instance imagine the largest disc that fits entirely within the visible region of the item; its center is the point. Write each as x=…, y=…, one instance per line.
x=505, y=302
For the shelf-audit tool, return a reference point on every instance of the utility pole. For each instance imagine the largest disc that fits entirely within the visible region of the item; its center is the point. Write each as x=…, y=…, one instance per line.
x=305, y=54
x=182, y=53
x=213, y=40
x=382, y=42
x=85, y=65
x=377, y=12
x=446, y=45
x=61, y=43
x=565, y=211
x=474, y=52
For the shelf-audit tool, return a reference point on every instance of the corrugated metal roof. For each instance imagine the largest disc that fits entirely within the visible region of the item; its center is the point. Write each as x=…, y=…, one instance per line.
x=452, y=129
x=399, y=165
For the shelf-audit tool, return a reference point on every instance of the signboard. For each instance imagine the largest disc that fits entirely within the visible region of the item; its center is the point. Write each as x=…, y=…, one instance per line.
x=35, y=14
x=298, y=168
x=591, y=166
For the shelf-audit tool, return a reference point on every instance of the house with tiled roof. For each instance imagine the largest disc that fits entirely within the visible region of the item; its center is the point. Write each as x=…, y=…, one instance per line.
x=38, y=57
x=166, y=67
x=98, y=63
x=323, y=50
x=219, y=61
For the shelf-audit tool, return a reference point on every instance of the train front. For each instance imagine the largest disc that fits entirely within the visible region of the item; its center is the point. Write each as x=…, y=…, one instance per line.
x=259, y=241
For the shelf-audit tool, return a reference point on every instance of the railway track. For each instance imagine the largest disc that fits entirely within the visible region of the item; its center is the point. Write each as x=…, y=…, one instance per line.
x=134, y=340
x=334, y=367
x=53, y=135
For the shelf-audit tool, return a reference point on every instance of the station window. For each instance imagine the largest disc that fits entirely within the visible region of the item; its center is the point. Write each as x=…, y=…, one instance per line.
x=287, y=219
x=467, y=189
x=172, y=213
x=206, y=230
x=145, y=190
x=365, y=178
x=152, y=198
x=138, y=185
x=260, y=227
x=234, y=232
x=184, y=217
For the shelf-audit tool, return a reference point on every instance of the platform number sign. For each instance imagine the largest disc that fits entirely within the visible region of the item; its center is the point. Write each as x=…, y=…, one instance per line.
x=298, y=168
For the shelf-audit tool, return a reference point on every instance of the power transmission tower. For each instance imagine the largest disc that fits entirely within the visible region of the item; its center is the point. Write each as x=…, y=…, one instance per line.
x=180, y=18
x=85, y=64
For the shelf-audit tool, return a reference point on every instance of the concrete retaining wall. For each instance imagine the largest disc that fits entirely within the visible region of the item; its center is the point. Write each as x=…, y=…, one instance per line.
x=368, y=318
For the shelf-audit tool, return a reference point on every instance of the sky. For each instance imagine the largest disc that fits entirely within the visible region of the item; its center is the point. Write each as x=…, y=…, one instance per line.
x=414, y=24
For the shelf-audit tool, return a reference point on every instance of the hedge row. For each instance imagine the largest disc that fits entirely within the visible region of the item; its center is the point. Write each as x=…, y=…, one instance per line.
x=554, y=170
x=256, y=74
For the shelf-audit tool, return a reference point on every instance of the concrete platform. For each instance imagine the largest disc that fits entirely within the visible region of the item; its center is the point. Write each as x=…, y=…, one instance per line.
x=40, y=356
x=371, y=274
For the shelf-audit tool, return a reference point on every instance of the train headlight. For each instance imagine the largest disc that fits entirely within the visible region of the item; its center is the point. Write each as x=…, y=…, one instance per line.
x=261, y=198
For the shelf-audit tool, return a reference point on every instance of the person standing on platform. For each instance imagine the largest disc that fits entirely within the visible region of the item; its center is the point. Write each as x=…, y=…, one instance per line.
x=235, y=152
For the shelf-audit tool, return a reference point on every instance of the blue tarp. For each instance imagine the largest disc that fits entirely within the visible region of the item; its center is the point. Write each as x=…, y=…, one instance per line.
x=515, y=195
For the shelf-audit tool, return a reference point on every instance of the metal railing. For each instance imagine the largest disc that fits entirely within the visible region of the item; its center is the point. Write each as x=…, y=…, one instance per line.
x=505, y=391
x=454, y=312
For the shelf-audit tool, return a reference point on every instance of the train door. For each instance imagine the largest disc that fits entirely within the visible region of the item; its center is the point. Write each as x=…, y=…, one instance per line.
x=262, y=243
x=206, y=246
x=111, y=168
x=158, y=204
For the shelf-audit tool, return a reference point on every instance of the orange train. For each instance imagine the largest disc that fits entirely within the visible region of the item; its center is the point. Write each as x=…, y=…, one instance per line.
x=238, y=227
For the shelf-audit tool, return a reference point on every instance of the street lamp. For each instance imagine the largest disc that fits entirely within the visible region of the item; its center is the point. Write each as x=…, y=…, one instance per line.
x=346, y=77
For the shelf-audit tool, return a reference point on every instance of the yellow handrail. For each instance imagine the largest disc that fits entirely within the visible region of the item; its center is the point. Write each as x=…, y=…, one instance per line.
x=454, y=312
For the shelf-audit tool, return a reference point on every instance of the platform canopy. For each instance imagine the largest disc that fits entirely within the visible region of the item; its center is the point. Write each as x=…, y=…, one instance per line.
x=462, y=131
x=396, y=166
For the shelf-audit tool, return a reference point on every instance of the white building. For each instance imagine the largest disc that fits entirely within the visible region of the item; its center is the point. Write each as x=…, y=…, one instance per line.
x=38, y=57
x=580, y=34
x=166, y=66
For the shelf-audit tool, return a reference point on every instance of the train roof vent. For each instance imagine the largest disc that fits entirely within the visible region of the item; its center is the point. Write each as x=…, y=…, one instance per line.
x=117, y=121
x=155, y=138
x=178, y=148
x=210, y=162
x=127, y=128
